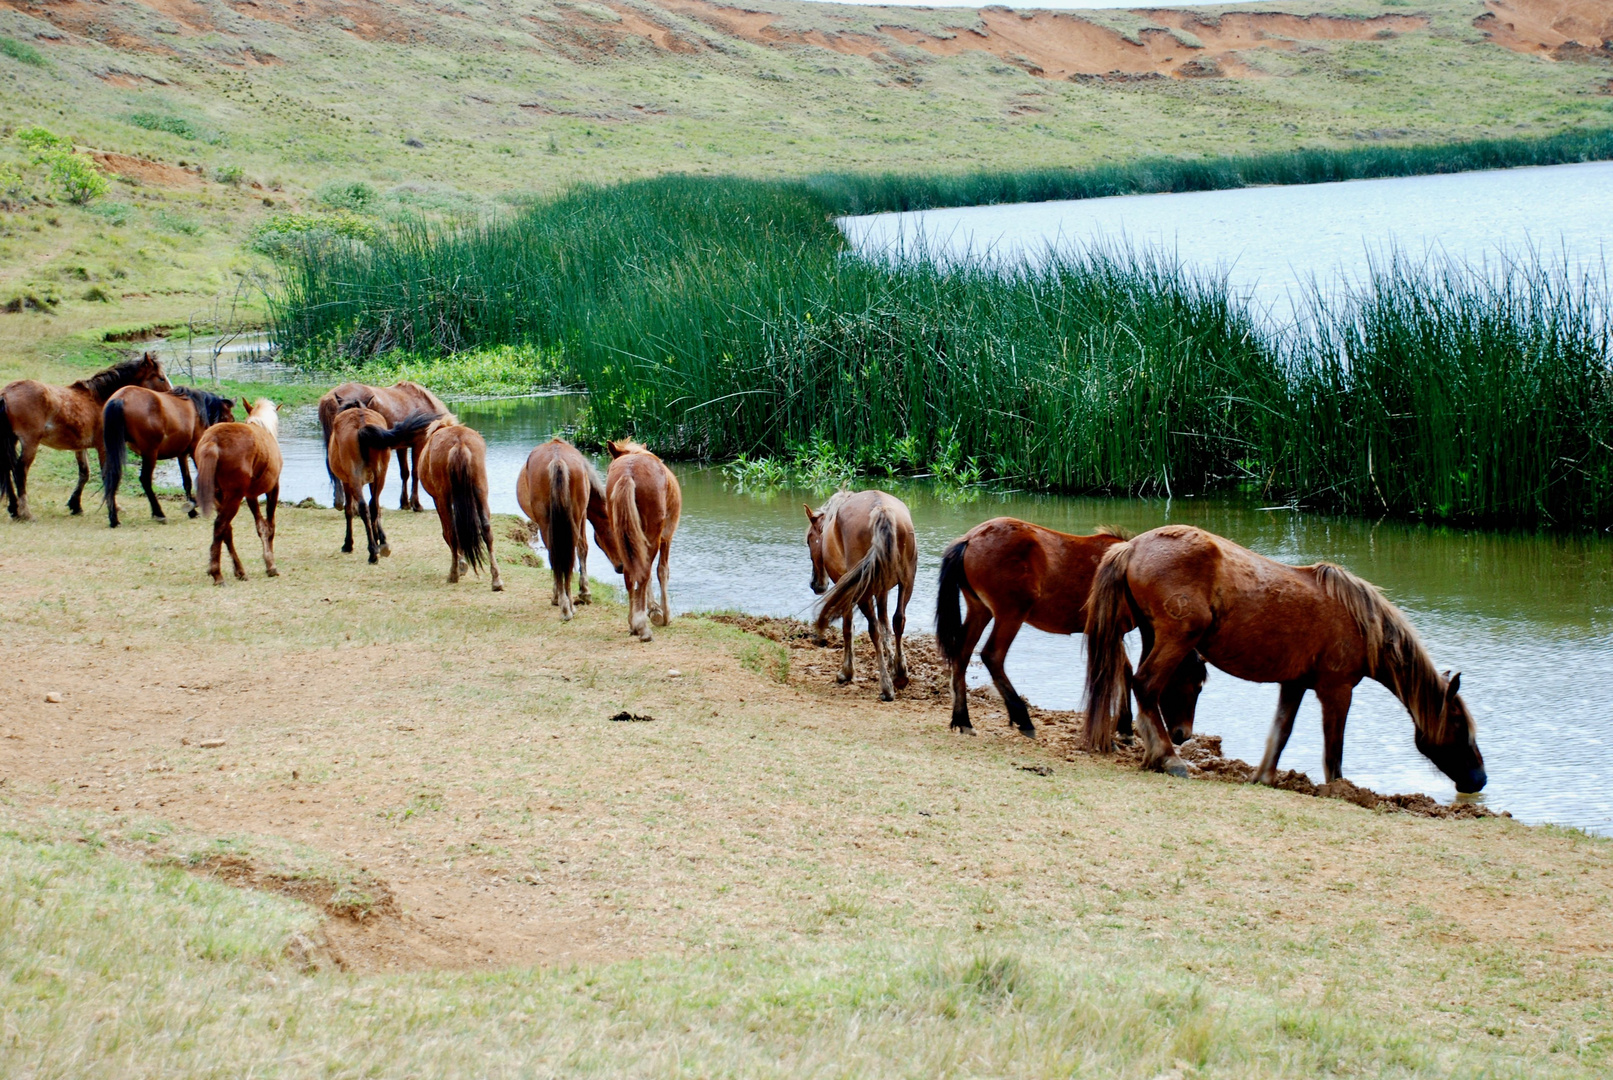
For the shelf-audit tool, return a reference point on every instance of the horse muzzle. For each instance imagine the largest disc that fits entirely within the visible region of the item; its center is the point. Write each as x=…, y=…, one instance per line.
x=1474, y=782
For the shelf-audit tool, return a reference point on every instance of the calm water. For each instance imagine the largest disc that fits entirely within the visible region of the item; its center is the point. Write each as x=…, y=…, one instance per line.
x=1272, y=241
x=1527, y=619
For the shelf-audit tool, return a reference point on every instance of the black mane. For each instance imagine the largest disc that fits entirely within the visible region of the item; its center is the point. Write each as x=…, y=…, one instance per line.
x=210, y=407
x=103, y=384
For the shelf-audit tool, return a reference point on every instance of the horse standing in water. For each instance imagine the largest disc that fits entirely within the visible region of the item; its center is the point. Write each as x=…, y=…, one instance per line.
x=396, y=403
x=1317, y=628
x=356, y=454
x=862, y=543
x=33, y=414
x=559, y=490
x=453, y=467
x=236, y=462
x=644, y=502
x=157, y=426
x=1011, y=573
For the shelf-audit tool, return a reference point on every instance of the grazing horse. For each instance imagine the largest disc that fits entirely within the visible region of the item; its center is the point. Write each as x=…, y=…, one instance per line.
x=453, y=467
x=1316, y=628
x=356, y=454
x=1010, y=573
x=236, y=462
x=62, y=418
x=157, y=426
x=396, y=403
x=644, y=502
x=559, y=490
x=863, y=544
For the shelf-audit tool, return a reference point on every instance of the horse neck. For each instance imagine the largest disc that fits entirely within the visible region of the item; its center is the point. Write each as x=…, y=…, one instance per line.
x=1405, y=667
x=268, y=420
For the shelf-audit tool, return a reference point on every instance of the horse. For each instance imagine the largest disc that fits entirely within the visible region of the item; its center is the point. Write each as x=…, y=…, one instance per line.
x=356, y=454
x=559, y=490
x=235, y=462
x=159, y=426
x=453, y=467
x=862, y=543
x=33, y=414
x=396, y=403
x=644, y=502
x=1317, y=628
x=1010, y=573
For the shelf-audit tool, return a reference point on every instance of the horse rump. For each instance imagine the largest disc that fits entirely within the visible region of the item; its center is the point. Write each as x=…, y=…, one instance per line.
x=465, y=506
x=1108, y=682
x=948, y=606
x=404, y=432
x=115, y=436
x=562, y=540
x=8, y=454
x=855, y=584
x=632, y=544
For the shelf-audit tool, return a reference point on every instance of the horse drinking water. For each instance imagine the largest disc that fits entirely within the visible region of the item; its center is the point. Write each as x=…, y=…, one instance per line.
x=558, y=491
x=1317, y=628
x=863, y=544
x=157, y=426
x=453, y=467
x=236, y=462
x=644, y=502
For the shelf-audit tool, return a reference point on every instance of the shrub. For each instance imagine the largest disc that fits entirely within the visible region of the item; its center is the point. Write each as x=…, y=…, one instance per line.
x=355, y=196
x=21, y=51
x=284, y=235
x=78, y=177
x=42, y=140
x=229, y=174
x=173, y=125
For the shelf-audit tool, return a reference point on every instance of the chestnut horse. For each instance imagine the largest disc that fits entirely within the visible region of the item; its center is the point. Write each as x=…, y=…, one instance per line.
x=453, y=467
x=356, y=454
x=1010, y=573
x=158, y=426
x=62, y=418
x=863, y=544
x=236, y=462
x=1317, y=628
x=559, y=490
x=644, y=502
x=396, y=403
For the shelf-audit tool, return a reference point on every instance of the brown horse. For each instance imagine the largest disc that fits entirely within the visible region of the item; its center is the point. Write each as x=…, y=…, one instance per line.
x=1010, y=573
x=559, y=490
x=236, y=462
x=157, y=426
x=862, y=542
x=1316, y=628
x=63, y=418
x=356, y=454
x=453, y=468
x=396, y=403
x=644, y=502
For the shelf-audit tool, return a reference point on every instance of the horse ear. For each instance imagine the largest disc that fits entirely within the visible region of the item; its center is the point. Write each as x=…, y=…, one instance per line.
x=811, y=516
x=616, y=449
x=247, y=405
x=1453, y=687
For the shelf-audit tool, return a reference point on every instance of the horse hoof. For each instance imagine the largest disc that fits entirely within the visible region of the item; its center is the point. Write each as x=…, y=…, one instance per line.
x=498, y=586
x=240, y=577
x=584, y=598
x=347, y=549
x=842, y=678
x=962, y=726
x=1029, y=732
x=887, y=695
x=1174, y=766
x=271, y=572
x=554, y=602
x=374, y=560
x=902, y=681
x=192, y=512
x=386, y=550
x=565, y=616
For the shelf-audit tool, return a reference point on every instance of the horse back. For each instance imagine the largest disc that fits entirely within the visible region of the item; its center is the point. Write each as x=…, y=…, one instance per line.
x=60, y=417
x=438, y=452
x=347, y=460
x=244, y=459
x=533, y=488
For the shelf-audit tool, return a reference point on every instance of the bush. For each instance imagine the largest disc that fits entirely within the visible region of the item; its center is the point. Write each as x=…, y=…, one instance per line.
x=11, y=182
x=78, y=177
x=21, y=51
x=355, y=196
x=282, y=236
x=228, y=174
x=173, y=125
x=42, y=141
x=113, y=213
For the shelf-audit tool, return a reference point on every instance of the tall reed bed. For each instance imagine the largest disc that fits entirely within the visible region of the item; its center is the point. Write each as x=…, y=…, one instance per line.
x=717, y=318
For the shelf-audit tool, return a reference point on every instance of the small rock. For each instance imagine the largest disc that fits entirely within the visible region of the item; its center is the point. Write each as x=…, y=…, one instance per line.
x=210, y=744
x=625, y=717
x=532, y=879
x=53, y=698
x=1039, y=770
x=674, y=673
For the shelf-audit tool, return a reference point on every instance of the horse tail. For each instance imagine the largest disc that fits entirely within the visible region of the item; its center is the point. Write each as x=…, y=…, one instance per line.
x=8, y=452
x=465, y=506
x=206, y=475
x=328, y=408
x=115, y=435
x=404, y=432
x=1108, y=610
x=948, y=609
x=856, y=583
x=562, y=540
x=635, y=549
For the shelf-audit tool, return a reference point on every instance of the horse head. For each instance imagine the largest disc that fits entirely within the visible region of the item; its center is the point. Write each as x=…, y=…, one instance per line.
x=814, y=542
x=150, y=374
x=1452, y=744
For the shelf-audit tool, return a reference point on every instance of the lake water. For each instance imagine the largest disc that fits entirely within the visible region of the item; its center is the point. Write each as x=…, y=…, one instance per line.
x=1270, y=242
x=1527, y=619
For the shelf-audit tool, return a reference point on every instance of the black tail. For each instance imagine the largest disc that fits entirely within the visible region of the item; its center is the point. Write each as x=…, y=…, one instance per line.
x=404, y=432
x=857, y=582
x=948, y=609
x=562, y=541
x=8, y=454
x=327, y=417
x=114, y=431
x=464, y=505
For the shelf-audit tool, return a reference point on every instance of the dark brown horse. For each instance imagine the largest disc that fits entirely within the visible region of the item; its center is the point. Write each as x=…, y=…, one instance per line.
x=33, y=414
x=1012, y=573
x=356, y=454
x=395, y=403
x=644, y=502
x=453, y=468
x=1315, y=628
x=236, y=462
x=157, y=426
x=863, y=544
x=559, y=490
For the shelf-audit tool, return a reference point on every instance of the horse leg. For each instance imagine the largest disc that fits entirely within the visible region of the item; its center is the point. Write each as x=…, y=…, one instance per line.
x=580, y=531
x=347, y=508
x=1179, y=702
x=270, y=501
x=1335, y=709
x=973, y=626
x=848, y=663
x=663, y=574
x=370, y=514
x=886, y=691
x=403, y=478
x=229, y=537
x=904, y=592
x=221, y=525
x=993, y=654
x=1154, y=674
x=258, y=524
x=446, y=520
x=375, y=517
x=25, y=462
x=1281, y=727
x=184, y=478
x=641, y=606
x=414, y=492
x=148, y=468
x=75, y=501
x=492, y=563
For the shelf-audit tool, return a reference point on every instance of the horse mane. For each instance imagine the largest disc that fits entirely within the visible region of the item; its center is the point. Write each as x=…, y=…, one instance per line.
x=103, y=384
x=631, y=446
x=1395, y=656
x=208, y=405
x=1113, y=530
x=834, y=501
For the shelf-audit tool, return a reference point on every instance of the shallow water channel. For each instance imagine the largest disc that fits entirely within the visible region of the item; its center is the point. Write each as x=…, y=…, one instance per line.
x=1527, y=619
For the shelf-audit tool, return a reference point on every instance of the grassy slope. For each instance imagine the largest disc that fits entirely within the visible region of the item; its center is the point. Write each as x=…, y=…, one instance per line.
x=770, y=880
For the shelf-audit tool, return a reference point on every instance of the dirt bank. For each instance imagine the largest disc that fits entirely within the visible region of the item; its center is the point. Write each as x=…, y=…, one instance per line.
x=1556, y=29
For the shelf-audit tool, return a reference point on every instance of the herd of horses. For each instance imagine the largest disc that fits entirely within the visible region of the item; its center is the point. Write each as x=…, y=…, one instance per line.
x=1195, y=598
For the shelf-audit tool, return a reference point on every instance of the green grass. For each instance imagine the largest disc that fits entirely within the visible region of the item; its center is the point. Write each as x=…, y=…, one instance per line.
x=22, y=52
